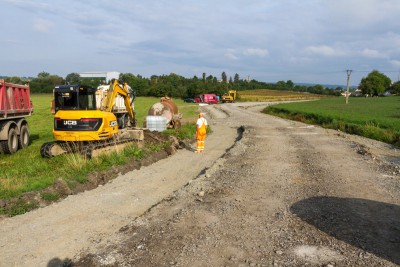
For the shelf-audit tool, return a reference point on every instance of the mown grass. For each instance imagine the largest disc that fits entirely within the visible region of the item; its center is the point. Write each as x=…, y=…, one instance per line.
x=266, y=95
x=376, y=118
x=27, y=171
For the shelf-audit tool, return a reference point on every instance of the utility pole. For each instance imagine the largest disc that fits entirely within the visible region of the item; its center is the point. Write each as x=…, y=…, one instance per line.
x=348, y=86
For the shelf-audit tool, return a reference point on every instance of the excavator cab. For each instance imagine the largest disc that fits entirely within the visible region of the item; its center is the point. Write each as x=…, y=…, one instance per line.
x=74, y=97
x=75, y=111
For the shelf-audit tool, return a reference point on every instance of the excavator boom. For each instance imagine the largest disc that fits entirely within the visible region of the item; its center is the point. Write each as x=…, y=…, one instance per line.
x=114, y=90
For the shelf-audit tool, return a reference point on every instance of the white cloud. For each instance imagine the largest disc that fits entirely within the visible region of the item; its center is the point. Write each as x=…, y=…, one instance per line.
x=324, y=50
x=230, y=54
x=363, y=15
x=372, y=53
x=42, y=25
x=29, y=5
x=395, y=63
x=256, y=52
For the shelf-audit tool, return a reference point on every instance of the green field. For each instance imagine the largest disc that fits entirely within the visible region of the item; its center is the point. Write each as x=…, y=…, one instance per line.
x=27, y=171
x=375, y=117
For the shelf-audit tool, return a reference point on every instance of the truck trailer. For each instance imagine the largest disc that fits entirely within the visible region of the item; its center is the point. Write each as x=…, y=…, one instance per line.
x=15, y=106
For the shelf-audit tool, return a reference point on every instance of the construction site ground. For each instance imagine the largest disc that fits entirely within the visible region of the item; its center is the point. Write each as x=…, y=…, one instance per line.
x=266, y=192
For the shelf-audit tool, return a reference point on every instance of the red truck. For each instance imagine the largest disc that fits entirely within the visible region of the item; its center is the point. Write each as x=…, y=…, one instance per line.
x=15, y=105
x=207, y=98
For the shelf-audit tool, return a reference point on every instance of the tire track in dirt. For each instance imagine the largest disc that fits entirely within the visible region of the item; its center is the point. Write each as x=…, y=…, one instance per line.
x=274, y=199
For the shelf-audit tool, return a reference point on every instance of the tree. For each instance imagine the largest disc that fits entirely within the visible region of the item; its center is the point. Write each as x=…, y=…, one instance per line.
x=14, y=79
x=289, y=84
x=224, y=77
x=153, y=79
x=317, y=89
x=43, y=74
x=236, y=79
x=395, y=88
x=73, y=78
x=45, y=83
x=281, y=84
x=375, y=83
x=210, y=78
x=138, y=84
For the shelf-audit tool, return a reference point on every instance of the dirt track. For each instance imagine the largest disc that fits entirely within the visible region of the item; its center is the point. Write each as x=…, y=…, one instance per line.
x=267, y=192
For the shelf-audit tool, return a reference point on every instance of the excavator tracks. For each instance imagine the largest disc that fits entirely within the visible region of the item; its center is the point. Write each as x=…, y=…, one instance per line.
x=89, y=149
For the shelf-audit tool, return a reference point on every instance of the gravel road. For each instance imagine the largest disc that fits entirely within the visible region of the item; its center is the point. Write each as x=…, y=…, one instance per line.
x=266, y=192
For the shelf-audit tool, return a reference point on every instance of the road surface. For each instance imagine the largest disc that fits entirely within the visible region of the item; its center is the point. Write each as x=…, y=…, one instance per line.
x=266, y=192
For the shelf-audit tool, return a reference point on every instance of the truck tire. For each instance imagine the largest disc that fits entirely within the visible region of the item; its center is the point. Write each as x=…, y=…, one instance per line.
x=23, y=140
x=10, y=146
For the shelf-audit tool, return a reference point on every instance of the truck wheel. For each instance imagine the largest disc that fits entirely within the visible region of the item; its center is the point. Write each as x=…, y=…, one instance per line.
x=10, y=146
x=23, y=140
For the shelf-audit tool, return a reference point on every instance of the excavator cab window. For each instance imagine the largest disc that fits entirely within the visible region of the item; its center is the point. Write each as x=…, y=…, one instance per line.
x=65, y=100
x=87, y=99
x=74, y=98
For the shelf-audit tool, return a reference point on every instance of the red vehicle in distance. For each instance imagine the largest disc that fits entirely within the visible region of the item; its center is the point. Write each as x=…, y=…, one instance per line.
x=207, y=98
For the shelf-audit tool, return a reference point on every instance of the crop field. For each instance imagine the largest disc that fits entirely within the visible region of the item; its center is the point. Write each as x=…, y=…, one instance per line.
x=27, y=171
x=375, y=117
x=266, y=95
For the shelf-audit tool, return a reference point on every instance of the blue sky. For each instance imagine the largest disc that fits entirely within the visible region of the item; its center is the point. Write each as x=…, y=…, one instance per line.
x=312, y=41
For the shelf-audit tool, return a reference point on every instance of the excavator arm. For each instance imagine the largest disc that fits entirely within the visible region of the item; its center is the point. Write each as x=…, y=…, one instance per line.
x=114, y=90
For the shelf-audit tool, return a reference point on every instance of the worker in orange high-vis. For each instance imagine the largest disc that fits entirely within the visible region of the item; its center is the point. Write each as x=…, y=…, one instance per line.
x=201, y=130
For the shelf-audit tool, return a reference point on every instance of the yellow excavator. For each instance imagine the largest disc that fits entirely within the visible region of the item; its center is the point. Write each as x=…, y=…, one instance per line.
x=87, y=119
x=229, y=97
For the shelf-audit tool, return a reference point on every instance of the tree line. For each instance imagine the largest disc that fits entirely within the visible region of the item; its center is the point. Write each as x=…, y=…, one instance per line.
x=177, y=86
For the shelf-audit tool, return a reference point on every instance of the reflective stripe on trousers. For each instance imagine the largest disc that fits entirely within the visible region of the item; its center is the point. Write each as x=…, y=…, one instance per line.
x=201, y=136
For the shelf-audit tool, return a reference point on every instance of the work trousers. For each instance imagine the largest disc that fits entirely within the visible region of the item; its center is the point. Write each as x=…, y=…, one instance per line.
x=200, y=143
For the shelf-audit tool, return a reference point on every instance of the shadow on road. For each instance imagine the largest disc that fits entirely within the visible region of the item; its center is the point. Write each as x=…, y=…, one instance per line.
x=370, y=225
